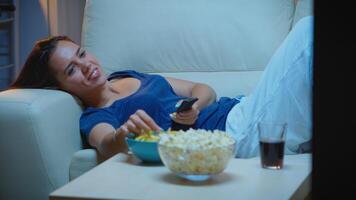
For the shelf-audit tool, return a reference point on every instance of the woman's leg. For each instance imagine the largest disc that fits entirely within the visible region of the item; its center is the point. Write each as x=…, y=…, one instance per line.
x=284, y=94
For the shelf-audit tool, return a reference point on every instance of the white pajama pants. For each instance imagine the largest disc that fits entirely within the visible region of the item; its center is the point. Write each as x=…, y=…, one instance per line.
x=284, y=94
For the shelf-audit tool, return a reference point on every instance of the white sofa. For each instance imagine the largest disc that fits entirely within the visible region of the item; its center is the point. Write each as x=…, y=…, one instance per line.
x=223, y=43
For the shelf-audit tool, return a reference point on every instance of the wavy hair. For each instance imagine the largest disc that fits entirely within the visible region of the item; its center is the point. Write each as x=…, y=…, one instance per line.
x=36, y=72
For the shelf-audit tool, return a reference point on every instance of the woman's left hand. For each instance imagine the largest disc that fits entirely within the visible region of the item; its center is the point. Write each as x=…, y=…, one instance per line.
x=187, y=117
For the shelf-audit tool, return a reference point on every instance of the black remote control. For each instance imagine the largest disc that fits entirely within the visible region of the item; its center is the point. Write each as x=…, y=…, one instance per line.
x=184, y=106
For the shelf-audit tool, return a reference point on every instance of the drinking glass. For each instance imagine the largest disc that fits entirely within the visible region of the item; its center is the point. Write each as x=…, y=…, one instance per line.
x=272, y=139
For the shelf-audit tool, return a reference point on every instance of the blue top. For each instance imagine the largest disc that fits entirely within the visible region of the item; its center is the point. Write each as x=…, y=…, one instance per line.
x=156, y=97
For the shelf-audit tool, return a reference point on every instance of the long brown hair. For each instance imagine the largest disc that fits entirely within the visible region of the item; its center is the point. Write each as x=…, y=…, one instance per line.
x=36, y=72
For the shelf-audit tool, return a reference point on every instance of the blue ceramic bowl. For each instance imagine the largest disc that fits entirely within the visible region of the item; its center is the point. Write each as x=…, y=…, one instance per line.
x=145, y=151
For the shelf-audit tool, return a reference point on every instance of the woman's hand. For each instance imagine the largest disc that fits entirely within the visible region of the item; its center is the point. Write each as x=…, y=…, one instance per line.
x=187, y=117
x=139, y=122
x=203, y=92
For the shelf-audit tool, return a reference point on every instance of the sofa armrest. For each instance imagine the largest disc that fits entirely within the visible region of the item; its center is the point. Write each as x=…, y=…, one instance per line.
x=39, y=133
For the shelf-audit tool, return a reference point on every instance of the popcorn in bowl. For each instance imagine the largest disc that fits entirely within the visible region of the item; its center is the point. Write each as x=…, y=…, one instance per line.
x=196, y=154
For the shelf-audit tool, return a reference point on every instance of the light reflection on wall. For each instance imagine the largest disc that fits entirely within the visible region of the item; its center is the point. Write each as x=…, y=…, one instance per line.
x=44, y=7
x=64, y=17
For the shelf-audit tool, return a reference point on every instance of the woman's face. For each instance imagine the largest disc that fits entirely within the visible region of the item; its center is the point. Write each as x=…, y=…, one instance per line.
x=77, y=71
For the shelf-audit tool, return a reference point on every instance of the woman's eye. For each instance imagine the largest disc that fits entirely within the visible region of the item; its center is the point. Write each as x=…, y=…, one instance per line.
x=71, y=71
x=82, y=53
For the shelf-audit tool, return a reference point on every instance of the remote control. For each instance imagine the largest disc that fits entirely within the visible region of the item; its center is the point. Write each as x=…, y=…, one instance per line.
x=186, y=104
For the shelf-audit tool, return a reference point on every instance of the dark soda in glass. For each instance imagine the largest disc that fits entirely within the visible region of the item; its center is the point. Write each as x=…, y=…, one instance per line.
x=272, y=154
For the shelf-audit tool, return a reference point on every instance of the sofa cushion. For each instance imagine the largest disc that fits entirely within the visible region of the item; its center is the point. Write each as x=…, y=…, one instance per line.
x=227, y=83
x=303, y=8
x=185, y=35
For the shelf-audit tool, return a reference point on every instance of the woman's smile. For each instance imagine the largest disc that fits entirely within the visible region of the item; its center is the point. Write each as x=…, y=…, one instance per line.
x=94, y=74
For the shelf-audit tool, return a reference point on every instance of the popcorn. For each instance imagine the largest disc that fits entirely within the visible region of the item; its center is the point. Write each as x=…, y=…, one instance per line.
x=196, y=151
x=197, y=139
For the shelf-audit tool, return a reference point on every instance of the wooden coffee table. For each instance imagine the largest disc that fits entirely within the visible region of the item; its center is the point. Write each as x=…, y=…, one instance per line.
x=125, y=177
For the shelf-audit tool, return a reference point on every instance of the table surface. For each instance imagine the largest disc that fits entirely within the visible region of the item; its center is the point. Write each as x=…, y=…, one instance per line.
x=125, y=177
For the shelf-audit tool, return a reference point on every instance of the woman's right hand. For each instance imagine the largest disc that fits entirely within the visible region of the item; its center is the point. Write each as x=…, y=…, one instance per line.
x=139, y=123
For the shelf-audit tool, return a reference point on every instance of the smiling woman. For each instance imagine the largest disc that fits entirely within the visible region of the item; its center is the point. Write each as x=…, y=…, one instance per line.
x=133, y=100
x=56, y=61
x=76, y=70
x=128, y=101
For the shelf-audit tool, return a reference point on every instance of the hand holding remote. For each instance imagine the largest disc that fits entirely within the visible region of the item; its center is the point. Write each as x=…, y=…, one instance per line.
x=186, y=104
x=185, y=115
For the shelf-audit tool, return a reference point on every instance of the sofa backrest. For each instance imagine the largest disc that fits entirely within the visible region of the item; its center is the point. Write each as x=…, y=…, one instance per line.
x=185, y=35
x=178, y=36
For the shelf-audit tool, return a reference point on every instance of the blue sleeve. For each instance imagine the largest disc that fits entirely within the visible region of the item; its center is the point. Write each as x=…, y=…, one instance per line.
x=89, y=119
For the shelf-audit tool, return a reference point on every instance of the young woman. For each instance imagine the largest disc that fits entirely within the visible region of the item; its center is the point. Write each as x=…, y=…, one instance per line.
x=129, y=101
